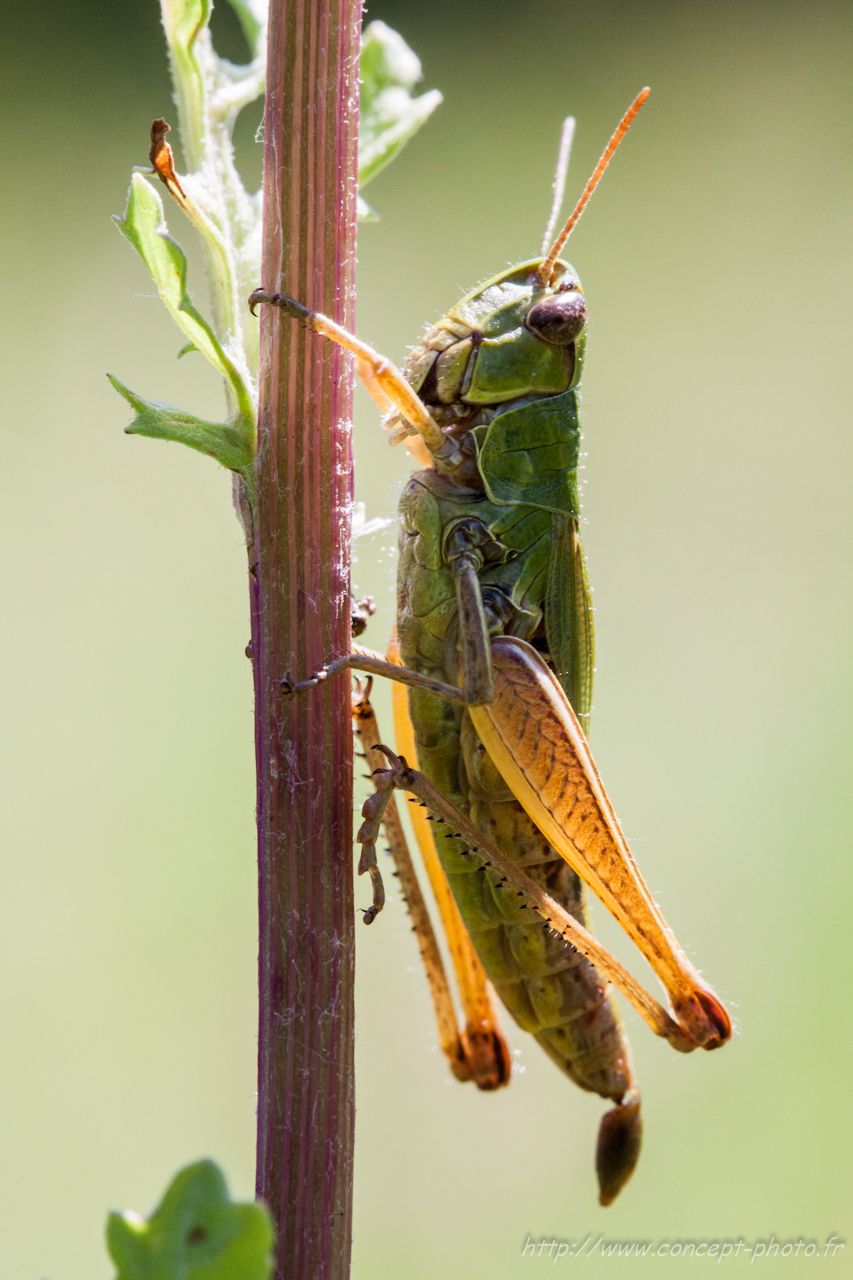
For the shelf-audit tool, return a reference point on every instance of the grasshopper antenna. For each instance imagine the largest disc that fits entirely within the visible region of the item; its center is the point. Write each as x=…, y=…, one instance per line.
x=546, y=270
x=559, y=187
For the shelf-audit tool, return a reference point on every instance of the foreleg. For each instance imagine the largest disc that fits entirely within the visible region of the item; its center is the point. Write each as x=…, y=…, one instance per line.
x=382, y=379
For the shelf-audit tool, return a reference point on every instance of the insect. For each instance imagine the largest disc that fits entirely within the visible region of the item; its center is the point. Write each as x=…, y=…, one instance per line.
x=495, y=646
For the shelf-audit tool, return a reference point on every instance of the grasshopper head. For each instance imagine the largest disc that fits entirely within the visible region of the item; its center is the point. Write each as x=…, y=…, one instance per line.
x=523, y=332
x=555, y=313
x=528, y=338
x=510, y=338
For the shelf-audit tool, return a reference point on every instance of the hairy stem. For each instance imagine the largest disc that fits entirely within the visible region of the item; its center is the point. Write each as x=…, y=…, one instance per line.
x=299, y=565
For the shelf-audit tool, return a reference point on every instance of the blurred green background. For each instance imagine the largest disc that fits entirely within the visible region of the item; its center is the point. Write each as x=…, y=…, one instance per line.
x=717, y=265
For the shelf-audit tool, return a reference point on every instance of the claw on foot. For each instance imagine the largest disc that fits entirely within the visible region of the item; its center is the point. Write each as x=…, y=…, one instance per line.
x=289, y=305
x=289, y=687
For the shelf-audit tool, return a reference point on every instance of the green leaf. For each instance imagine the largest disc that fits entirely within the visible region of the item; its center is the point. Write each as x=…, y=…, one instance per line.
x=195, y=1233
x=388, y=114
x=144, y=226
x=226, y=443
x=364, y=211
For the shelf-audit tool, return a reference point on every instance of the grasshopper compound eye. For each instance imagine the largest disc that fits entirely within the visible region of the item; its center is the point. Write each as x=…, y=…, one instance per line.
x=559, y=319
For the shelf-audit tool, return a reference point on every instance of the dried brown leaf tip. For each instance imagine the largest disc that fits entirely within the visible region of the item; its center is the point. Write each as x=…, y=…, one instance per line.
x=162, y=159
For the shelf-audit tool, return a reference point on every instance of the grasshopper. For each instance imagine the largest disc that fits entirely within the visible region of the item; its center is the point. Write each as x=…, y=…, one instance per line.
x=494, y=642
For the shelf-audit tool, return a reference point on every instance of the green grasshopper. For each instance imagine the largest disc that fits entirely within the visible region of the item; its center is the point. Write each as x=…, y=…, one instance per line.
x=494, y=628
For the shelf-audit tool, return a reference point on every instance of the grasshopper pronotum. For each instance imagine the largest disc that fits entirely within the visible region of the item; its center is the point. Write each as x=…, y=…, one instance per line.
x=494, y=628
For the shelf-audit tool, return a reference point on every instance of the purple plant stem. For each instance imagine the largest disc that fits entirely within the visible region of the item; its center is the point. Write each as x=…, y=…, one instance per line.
x=299, y=576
